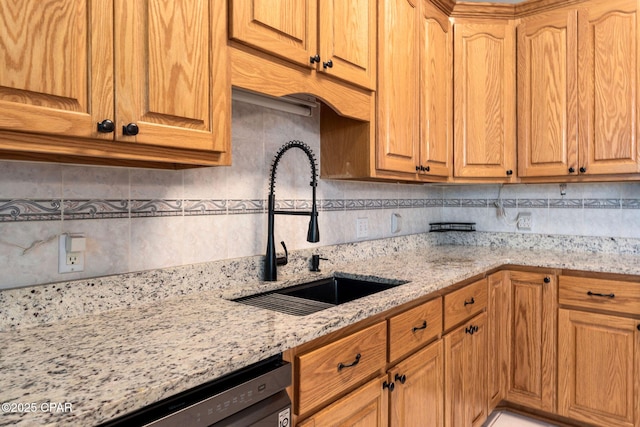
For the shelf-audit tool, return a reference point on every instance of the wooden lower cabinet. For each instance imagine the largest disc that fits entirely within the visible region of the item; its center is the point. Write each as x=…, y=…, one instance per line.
x=418, y=395
x=599, y=368
x=532, y=329
x=466, y=373
x=367, y=406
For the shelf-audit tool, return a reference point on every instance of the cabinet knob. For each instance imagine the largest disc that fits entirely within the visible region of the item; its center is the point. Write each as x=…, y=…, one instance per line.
x=572, y=170
x=328, y=64
x=106, y=126
x=639, y=326
x=130, y=129
x=401, y=378
x=547, y=280
x=418, y=168
x=314, y=59
x=390, y=386
x=427, y=168
x=583, y=170
x=471, y=301
x=509, y=172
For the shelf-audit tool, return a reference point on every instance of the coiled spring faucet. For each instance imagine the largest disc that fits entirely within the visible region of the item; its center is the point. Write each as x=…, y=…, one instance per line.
x=313, y=235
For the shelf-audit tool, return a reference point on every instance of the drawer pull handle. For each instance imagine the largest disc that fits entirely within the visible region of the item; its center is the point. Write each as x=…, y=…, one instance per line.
x=417, y=328
x=596, y=294
x=390, y=386
x=466, y=303
x=471, y=329
x=401, y=378
x=341, y=365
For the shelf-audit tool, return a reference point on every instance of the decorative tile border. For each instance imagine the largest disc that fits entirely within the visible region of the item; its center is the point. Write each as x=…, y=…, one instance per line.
x=205, y=207
x=155, y=207
x=95, y=209
x=30, y=210
x=18, y=210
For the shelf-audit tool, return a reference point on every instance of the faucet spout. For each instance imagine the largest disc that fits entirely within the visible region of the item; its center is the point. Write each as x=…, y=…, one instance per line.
x=313, y=234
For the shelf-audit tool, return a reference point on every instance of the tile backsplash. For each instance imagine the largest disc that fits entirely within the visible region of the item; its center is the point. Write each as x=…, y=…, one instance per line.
x=140, y=219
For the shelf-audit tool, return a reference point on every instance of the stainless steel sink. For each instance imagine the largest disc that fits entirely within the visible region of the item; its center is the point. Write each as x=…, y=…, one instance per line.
x=307, y=298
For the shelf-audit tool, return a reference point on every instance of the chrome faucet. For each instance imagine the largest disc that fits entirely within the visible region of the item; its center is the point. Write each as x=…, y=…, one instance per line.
x=313, y=235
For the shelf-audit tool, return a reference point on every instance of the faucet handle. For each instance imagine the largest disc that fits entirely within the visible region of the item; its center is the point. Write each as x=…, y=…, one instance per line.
x=283, y=260
x=315, y=262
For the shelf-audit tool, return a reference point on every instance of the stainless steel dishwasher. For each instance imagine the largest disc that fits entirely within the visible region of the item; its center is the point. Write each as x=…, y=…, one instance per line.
x=253, y=396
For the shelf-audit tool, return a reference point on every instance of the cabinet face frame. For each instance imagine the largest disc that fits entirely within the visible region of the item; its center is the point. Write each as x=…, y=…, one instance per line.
x=547, y=94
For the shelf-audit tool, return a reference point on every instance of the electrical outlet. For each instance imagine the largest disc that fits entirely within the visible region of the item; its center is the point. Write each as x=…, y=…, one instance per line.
x=362, y=228
x=525, y=222
x=69, y=262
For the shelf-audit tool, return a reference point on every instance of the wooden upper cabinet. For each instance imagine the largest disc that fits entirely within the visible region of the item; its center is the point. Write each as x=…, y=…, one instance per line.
x=335, y=37
x=398, y=82
x=484, y=101
x=347, y=41
x=547, y=94
x=160, y=68
x=285, y=28
x=169, y=77
x=57, y=66
x=436, y=92
x=608, y=34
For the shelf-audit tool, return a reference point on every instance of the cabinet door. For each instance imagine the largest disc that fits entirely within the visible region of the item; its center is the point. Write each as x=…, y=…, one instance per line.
x=598, y=363
x=57, y=66
x=498, y=340
x=284, y=28
x=547, y=94
x=398, y=82
x=436, y=91
x=532, y=330
x=465, y=373
x=348, y=40
x=172, y=73
x=484, y=100
x=418, y=397
x=608, y=34
x=365, y=407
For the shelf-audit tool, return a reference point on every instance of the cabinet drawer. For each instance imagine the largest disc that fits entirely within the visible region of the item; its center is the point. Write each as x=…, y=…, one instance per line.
x=464, y=303
x=599, y=294
x=328, y=371
x=413, y=328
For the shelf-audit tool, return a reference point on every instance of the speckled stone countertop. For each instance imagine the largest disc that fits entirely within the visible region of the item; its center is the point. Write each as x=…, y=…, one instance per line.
x=113, y=362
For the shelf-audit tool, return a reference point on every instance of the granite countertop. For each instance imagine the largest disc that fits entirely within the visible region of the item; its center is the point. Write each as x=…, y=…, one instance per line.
x=108, y=364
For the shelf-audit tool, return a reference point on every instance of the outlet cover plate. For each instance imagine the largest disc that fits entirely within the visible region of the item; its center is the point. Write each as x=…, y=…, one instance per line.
x=68, y=262
x=525, y=222
x=362, y=228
